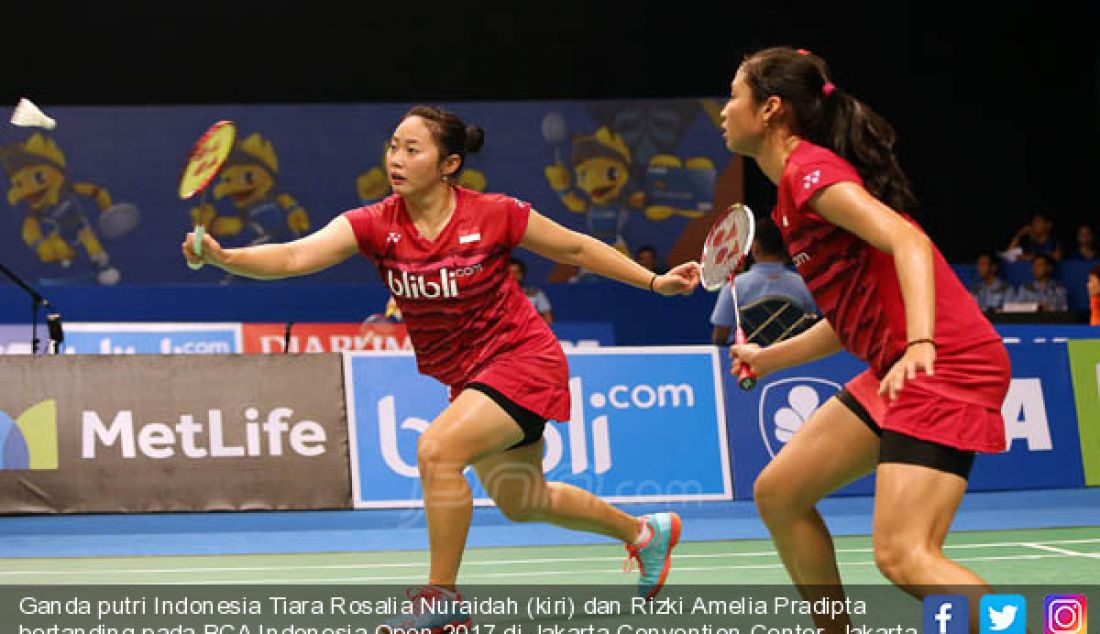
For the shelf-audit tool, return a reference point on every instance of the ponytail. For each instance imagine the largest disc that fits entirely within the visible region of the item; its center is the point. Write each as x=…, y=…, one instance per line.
x=830, y=117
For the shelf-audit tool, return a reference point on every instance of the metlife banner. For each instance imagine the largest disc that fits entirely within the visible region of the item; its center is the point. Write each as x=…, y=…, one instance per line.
x=647, y=425
x=152, y=338
x=1040, y=421
x=138, y=433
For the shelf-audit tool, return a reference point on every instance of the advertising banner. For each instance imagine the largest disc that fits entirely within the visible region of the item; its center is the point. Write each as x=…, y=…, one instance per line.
x=1040, y=421
x=1084, y=360
x=171, y=433
x=318, y=337
x=647, y=425
x=152, y=338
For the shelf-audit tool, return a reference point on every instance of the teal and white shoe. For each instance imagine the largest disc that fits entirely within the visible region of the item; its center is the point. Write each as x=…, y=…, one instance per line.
x=448, y=613
x=654, y=556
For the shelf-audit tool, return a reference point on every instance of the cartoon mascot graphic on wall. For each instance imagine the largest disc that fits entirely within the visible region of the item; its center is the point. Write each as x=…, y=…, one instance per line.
x=262, y=214
x=55, y=225
x=601, y=167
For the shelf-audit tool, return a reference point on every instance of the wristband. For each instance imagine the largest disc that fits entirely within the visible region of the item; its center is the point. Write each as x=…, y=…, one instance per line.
x=916, y=341
x=651, y=281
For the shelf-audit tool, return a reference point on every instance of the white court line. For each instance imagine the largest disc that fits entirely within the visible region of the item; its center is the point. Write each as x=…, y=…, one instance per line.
x=544, y=573
x=560, y=572
x=485, y=562
x=492, y=562
x=1061, y=551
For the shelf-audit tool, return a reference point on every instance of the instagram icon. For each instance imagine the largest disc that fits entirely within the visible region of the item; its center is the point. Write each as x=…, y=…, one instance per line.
x=1065, y=614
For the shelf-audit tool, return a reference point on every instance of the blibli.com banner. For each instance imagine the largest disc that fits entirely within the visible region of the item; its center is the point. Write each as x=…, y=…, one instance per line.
x=647, y=425
x=1040, y=421
x=162, y=338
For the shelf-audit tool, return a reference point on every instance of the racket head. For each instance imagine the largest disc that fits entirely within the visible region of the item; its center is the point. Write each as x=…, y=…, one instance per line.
x=206, y=158
x=727, y=245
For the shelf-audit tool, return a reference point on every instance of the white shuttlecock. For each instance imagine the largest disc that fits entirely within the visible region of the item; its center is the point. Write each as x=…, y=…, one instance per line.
x=27, y=115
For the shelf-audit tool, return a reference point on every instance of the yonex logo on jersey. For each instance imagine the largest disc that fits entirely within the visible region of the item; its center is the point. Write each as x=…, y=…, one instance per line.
x=416, y=287
x=801, y=258
x=811, y=179
x=393, y=237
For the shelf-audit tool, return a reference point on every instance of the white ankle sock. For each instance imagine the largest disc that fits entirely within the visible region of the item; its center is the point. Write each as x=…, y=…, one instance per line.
x=644, y=534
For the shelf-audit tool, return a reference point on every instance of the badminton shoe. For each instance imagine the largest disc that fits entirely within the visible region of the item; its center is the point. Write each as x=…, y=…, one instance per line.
x=654, y=555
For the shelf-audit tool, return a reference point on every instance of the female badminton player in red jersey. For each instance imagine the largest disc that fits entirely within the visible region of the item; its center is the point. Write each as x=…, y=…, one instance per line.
x=444, y=253
x=938, y=371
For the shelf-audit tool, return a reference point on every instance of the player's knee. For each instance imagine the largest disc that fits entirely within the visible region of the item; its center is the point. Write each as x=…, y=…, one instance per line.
x=432, y=456
x=897, y=558
x=772, y=496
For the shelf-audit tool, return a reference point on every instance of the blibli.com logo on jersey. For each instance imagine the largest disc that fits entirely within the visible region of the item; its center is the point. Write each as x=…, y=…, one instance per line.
x=29, y=441
x=443, y=284
x=627, y=417
x=787, y=404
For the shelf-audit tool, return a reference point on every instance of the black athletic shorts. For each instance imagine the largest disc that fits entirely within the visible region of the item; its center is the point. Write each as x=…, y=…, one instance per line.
x=529, y=422
x=903, y=448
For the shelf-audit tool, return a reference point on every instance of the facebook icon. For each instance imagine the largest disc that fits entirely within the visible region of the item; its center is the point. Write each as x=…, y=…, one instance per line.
x=946, y=614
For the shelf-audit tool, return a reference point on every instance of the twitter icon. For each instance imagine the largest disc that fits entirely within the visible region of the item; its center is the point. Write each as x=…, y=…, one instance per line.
x=1003, y=614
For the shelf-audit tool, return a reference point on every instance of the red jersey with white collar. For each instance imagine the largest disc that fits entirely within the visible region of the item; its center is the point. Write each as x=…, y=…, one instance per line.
x=856, y=286
x=467, y=317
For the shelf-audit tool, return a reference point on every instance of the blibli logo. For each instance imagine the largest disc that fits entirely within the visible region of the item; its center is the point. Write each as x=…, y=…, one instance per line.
x=416, y=286
x=786, y=405
x=30, y=440
x=588, y=439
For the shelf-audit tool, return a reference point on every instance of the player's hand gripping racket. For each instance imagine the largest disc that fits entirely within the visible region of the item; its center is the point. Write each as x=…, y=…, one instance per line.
x=205, y=160
x=724, y=251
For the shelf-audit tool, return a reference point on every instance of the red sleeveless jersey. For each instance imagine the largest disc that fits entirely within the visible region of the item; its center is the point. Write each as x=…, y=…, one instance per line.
x=856, y=286
x=467, y=318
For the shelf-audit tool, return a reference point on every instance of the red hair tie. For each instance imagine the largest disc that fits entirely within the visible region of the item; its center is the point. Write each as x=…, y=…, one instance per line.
x=803, y=51
x=828, y=89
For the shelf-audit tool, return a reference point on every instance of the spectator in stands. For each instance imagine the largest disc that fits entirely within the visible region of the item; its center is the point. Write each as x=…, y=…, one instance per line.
x=1094, y=296
x=1085, y=247
x=768, y=276
x=533, y=293
x=647, y=257
x=1036, y=237
x=990, y=290
x=1046, y=291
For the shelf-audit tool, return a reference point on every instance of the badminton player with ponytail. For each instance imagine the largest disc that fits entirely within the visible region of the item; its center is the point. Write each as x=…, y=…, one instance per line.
x=444, y=253
x=938, y=371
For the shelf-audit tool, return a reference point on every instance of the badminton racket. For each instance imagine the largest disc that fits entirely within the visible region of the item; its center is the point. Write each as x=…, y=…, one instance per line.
x=204, y=161
x=724, y=251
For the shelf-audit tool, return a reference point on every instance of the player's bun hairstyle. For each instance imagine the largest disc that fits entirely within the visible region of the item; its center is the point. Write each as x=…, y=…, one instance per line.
x=451, y=134
x=830, y=117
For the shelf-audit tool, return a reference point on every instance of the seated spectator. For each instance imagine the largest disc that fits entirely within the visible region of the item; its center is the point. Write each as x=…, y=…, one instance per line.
x=1048, y=293
x=1036, y=237
x=1085, y=243
x=1094, y=296
x=990, y=290
x=647, y=257
x=537, y=297
x=768, y=276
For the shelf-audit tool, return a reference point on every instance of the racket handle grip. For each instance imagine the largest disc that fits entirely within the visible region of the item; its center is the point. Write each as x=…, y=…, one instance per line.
x=196, y=247
x=746, y=378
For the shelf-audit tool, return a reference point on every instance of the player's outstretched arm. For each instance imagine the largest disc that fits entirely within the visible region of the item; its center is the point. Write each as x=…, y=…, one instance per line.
x=332, y=244
x=553, y=241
